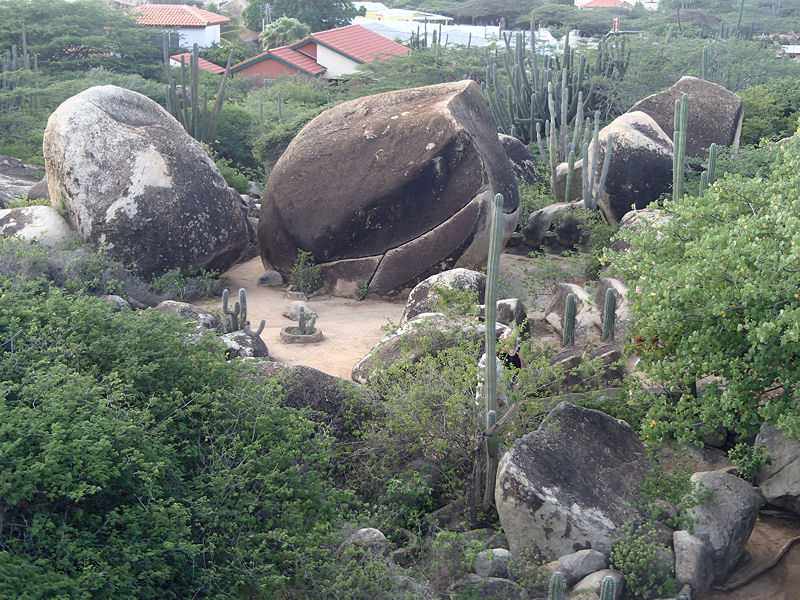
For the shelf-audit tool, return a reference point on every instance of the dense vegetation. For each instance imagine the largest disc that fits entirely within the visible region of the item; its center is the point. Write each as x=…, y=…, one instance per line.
x=137, y=462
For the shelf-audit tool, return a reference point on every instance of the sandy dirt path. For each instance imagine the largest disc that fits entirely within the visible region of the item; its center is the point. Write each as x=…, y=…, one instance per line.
x=351, y=327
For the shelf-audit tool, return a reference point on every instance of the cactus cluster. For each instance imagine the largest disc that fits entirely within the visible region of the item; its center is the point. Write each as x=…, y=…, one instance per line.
x=681, y=119
x=20, y=69
x=306, y=322
x=236, y=317
x=185, y=105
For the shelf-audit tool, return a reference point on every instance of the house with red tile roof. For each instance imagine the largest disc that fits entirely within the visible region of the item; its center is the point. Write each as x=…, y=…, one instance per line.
x=202, y=63
x=327, y=54
x=606, y=4
x=191, y=24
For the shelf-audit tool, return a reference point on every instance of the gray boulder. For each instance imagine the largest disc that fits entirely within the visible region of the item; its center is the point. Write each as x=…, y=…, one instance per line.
x=522, y=160
x=724, y=521
x=190, y=312
x=578, y=565
x=40, y=224
x=715, y=114
x=569, y=485
x=270, y=278
x=494, y=563
x=129, y=177
x=558, y=226
x=510, y=311
x=387, y=190
x=242, y=345
x=39, y=190
x=592, y=584
x=424, y=297
x=693, y=565
x=641, y=164
x=369, y=539
x=16, y=178
x=779, y=481
x=486, y=588
x=587, y=318
x=293, y=310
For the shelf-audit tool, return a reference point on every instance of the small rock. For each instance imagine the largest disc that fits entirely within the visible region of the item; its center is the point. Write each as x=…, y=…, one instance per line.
x=579, y=564
x=241, y=345
x=117, y=302
x=293, y=310
x=494, y=563
x=402, y=557
x=369, y=539
x=270, y=278
x=487, y=588
x=593, y=583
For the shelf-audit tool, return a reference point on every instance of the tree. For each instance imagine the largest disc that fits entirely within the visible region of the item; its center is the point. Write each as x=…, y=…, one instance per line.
x=283, y=32
x=715, y=295
x=318, y=14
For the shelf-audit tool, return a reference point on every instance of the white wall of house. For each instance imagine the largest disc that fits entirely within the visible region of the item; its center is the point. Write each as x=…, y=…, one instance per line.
x=202, y=36
x=335, y=63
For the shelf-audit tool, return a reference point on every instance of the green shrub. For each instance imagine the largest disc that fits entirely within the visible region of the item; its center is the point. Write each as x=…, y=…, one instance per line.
x=186, y=287
x=749, y=459
x=641, y=560
x=233, y=176
x=146, y=466
x=306, y=276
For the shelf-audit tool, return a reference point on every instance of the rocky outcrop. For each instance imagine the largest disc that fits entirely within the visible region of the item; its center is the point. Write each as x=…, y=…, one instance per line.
x=522, y=160
x=558, y=226
x=487, y=588
x=587, y=318
x=129, y=177
x=554, y=486
x=16, y=178
x=425, y=298
x=715, y=114
x=203, y=318
x=641, y=164
x=42, y=224
x=779, y=481
x=389, y=189
x=240, y=344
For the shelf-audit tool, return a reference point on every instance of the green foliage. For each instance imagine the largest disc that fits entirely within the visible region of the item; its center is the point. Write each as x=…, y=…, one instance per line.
x=154, y=462
x=770, y=110
x=236, y=130
x=283, y=31
x=714, y=292
x=186, y=287
x=218, y=54
x=306, y=276
x=639, y=558
x=25, y=201
x=667, y=497
x=233, y=177
x=749, y=459
x=533, y=197
x=318, y=14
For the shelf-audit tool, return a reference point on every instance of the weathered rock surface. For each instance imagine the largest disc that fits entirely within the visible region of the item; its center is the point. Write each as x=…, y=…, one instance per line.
x=389, y=189
x=553, y=486
x=190, y=312
x=42, y=224
x=724, y=521
x=293, y=310
x=494, y=563
x=558, y=226
x=593, y=583
x=130, y=177
x=270, y=278
x=427, y=334
x=522, y=160
x=641, y=164
x=242, y=345
x=369, y=539
x=328, y=396
x=715, y=114
x=486, y=588
x=692, y=562
x=424, y=297
x=39, y=190
x=587, y=318
x=579, y=564
x=16, y=178
x=779, y=481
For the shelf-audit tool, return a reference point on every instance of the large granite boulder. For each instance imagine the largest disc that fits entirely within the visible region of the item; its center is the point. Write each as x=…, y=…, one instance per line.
x=641, y=164
x=569, y=485
x=16, y=178
x=715, y=114
x=425, y=297
x=522, y=160
x=130, y=177
x=779, y=481
x=41, y=224
x=389, y=189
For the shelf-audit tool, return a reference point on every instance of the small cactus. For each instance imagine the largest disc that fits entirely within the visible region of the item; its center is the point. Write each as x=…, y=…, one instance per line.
x=556, y=589
x=238, y=314
x=608, y=588
x=306, y=322
x=569, y=320
x=232, y=313
x=609, y=315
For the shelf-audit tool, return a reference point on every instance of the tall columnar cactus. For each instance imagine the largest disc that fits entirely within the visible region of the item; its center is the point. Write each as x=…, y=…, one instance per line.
x=570, y=310
x=555, y=590
x=609, y=315
x=704, y=68
x=681, y=118
x=490, y=376
x=710, y=176
x=591, y=195
x=196, y=119
x=608, y=588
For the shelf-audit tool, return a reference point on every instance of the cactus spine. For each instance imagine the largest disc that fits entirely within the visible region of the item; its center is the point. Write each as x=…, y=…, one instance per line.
x=555, y=590
x=681, y=118
x=490, y=376
x=609, y=315
x=568, y=327
x=608, y=588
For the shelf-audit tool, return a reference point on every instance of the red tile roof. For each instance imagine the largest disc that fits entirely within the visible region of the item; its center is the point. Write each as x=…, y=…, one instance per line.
x=202, y=63
x=176, y=15
x=356, y=42
x=295, y=59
